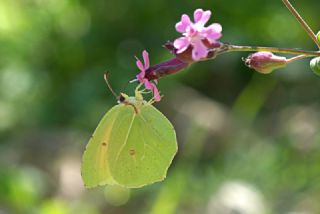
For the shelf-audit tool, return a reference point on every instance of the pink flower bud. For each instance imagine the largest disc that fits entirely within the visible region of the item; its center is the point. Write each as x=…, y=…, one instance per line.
x=265, y=62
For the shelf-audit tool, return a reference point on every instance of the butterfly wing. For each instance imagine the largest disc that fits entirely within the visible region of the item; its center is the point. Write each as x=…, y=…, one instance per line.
x=142, y=147
x=129, y=149
x=95, y=167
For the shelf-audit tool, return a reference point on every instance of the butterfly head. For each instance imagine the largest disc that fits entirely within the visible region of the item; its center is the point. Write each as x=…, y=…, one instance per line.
x=123, y=98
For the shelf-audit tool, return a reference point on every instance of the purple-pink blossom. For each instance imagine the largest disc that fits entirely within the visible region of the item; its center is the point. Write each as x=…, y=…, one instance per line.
x=195, y=34
x=141, y=76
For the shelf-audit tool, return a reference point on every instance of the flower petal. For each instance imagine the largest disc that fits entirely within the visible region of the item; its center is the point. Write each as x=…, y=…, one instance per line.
x=183, y=24
x=197, y=15
x=205, y=17
x=139, y=64
x=213, y=32
x=145, y=55
x=140, y=76
x=181, y=44
x=147, y=84
x=201, y=17
x=199, y=51
x=215, y=27
x=156, y=94
x=151, y=86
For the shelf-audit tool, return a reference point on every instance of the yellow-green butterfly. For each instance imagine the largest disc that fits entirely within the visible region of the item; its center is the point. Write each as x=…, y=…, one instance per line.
x=133, y=145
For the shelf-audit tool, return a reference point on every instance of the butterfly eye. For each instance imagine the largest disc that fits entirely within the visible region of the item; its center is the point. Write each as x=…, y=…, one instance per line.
x=121, y=99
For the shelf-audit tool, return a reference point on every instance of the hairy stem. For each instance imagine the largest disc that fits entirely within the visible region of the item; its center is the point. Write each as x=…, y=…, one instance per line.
x=302, y=22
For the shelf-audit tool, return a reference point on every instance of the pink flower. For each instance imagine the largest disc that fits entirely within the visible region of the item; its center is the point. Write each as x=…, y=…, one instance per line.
x=196, y=34
x=142, y=79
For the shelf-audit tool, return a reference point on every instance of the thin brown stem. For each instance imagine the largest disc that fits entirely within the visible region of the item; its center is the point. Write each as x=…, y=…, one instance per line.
x=302, y=22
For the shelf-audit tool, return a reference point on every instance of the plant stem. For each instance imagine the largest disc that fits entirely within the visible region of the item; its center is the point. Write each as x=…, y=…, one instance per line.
x=302, y=22
x=296, y=58
x=238, y=48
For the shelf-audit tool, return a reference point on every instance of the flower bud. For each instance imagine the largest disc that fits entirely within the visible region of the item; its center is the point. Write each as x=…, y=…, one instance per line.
x=315, y=65
x=265, y=62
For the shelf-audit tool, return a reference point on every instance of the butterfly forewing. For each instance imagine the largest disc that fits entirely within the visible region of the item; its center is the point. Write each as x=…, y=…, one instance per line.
x=95, y=168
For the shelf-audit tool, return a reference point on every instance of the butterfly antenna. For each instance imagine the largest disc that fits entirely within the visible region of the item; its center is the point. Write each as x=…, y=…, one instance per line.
x=106, y=78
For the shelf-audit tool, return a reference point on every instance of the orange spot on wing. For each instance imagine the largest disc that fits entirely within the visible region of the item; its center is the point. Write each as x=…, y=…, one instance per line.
x=132, y=152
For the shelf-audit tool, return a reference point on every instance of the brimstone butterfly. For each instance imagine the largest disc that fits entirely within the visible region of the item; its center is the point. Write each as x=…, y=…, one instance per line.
x=133, y=145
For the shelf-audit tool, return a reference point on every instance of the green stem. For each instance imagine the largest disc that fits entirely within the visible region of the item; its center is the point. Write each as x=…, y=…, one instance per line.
x=302, y=22
x=238, y=48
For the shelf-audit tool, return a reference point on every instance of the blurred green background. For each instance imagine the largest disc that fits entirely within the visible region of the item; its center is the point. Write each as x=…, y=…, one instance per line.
x=248, y=143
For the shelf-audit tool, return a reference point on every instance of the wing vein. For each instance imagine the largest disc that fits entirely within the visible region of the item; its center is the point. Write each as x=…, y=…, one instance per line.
x=126, y=139
x=155, y=131
x=152, y=127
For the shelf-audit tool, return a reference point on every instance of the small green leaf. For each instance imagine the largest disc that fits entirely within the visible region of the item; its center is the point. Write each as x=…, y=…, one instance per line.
x=133, y=145
x=315, y=65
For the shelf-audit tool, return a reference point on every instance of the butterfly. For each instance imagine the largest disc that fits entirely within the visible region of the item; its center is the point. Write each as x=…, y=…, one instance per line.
x=132, y=146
